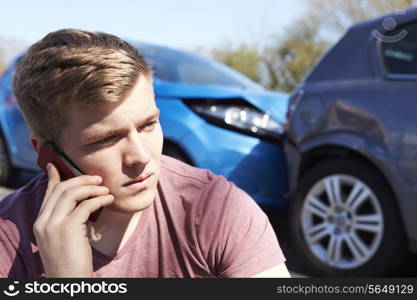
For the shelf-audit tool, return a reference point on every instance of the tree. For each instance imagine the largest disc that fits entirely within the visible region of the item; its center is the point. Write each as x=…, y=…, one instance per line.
x=244, y=59
x=288, y=61
x=337, y=16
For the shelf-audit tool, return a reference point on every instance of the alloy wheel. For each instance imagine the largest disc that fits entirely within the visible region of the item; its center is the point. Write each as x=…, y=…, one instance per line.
x=342, y=221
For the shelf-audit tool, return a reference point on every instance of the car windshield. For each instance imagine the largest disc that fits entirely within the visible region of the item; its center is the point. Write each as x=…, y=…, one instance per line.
x=181, y=67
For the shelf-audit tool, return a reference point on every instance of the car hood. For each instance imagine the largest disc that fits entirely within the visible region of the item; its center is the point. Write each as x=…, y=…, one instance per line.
x=273, y=103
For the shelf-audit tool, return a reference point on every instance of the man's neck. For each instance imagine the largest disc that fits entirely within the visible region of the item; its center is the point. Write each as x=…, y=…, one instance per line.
x=112, y=230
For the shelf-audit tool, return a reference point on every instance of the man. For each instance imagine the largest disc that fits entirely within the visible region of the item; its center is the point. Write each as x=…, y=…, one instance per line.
x=91, y=95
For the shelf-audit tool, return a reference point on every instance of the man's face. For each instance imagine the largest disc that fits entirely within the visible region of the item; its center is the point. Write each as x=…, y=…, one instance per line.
x=122, y=143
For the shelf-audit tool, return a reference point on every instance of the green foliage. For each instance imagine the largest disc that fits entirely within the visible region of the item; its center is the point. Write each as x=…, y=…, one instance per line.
x=245, y=59
x=288, y=61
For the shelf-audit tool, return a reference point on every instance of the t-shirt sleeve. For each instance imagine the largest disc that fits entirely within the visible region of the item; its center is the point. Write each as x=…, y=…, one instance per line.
x=7, y=252
x=234, y=233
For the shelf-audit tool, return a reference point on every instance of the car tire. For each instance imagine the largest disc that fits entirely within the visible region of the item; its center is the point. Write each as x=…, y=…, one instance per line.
x=7, y=171
x=356, y=234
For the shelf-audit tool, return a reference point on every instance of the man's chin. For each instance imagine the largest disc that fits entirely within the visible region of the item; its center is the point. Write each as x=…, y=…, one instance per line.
x=132, y=204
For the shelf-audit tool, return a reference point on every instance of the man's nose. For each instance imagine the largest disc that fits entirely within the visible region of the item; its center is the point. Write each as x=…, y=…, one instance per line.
x=136, y=152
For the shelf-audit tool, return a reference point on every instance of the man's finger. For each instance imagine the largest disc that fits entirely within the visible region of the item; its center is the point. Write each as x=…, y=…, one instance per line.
x=72, y=196
x=53, y=180
x=56, y=188
x=83, y=211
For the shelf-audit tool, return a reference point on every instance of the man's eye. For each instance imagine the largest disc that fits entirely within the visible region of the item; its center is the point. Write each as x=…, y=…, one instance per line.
x=149, y=126
x=106, y=140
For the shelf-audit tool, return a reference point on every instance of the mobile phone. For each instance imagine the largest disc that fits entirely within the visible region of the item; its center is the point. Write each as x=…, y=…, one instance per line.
x=67, y=169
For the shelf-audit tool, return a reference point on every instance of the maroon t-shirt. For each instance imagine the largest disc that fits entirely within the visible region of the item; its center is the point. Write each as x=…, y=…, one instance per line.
x=200, y=225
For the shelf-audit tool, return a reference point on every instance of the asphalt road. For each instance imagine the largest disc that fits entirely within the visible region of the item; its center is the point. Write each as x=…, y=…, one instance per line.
x=4, y=191
x=279, y=220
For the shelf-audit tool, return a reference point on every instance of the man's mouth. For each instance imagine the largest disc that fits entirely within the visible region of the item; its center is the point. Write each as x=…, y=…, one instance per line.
x=139, y=183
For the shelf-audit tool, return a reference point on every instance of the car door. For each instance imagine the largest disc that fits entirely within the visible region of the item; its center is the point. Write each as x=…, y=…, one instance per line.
x=396, y=98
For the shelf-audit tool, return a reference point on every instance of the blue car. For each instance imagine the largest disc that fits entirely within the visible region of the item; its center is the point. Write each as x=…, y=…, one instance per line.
x=212, y=117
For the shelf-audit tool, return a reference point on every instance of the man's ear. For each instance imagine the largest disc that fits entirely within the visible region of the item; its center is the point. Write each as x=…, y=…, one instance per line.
x=36, y=142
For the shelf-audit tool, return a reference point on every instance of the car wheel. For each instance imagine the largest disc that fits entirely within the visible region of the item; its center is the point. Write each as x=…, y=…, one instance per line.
x=7, y=172
x=345, y=222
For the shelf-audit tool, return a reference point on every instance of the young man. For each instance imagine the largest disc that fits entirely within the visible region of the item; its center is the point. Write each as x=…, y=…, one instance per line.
x=91, y=94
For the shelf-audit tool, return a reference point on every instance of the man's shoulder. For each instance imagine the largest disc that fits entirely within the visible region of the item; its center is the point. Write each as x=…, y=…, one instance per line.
x=18, y=212
x=178, y=170
x=209, y=188
x=188, y=182
x=24, y=199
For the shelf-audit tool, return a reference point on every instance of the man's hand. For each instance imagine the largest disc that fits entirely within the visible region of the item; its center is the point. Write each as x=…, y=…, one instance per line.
x=61, y=226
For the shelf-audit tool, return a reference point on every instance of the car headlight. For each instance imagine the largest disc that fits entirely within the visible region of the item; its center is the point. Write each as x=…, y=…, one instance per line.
x=239, y=116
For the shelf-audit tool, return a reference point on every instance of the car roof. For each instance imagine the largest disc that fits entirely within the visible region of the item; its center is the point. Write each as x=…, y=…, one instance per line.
x=349, y=57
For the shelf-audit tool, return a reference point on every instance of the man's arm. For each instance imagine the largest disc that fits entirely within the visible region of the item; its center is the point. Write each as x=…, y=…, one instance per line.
x=279, y=271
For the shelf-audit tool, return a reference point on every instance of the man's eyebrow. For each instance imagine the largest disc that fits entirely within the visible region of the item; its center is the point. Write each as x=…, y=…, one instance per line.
x=154, y=115
x=96, y=137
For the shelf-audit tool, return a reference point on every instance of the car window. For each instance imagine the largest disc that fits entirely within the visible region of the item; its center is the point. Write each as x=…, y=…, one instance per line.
x=207, y=73
x=182, y=67
x=400, y=57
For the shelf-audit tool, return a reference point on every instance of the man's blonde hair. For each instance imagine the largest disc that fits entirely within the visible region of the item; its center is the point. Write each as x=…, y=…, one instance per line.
x=73, y=66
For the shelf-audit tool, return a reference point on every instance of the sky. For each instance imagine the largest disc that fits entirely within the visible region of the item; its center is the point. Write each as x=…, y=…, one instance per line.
x=185, y=24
